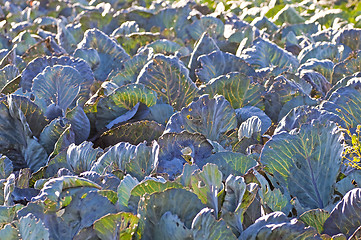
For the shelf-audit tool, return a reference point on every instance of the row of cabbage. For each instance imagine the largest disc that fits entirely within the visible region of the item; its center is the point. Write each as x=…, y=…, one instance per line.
x=183, y=120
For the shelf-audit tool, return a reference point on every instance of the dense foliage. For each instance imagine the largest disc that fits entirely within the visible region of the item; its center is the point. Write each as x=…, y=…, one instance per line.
x=179, y=120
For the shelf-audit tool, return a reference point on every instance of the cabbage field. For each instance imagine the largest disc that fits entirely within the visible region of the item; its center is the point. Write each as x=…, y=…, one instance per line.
x=187, y=119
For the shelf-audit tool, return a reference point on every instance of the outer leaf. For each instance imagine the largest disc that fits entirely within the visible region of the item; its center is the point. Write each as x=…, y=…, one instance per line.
x=9, y=232
x=251, y=128
x=39, y=64
x=349, y=37
x=209, y=24
x=160, y=112
x=296, y=102
x=33, y=113
x=81, y=158
x=323, y=50
x=246, y=112
x=264, y=53
x=134, y=133
x=58, y=84
x=272, y=199
x=345, y=217
x=315, y=218
x=152, y=186
x=169, y=78
x=79, y=123
x=298, y=161
x=347, y=67
x=84, y=210
x=277, y=226
x=237, y=199
x=207, y=184
x=204, y=45
x=52, y=189
x=320, y=85
x=116, y=226
x=139, y=160
x=8, y=73
x=211, y=117
x=219, y=63
x=6, y=167
x=325, y=67
x=289, y=15
x=131, y=68
x=348, y=183
x=345, y=102
x=237, y=88
x=110, y=53
x=31, y=229
x=68, y=36
x=171, y=227
x=152, y=208
x=305, y=114
x=35, y=155
x=205, y=226
x=282, y=91
x=57, y=228
x=121, y=101
x=15, y=139
x=173, y=146
x=164, y=46
x=230, y=163
x=126, y=28
x=7, y=214
x=124, y=191
x=51, y=133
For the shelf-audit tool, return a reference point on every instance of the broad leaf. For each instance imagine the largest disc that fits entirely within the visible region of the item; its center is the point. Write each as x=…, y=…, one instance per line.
x=79, y=123
x=38, y=65
x=315, y=218
x=209, y=116
x=150, y=186
x=345, y=102
x=204, y=45
x=124, y=192
x=298, y=161
x=207, y=184
x=8, y=73
x=205, y=226
x=264, y=53
x=276, y=225
x=131, y=68
x=246, y=112
x=230, y=163
x=81, y=158
x=345, y=217
x=138, y=160
x=323, y=50
x=153, y=208
x=272, y=199
x=237, y=88
x=116, y=226
x=134, y=133
x=6, y=167
x=58, y=84
x=175, y=148
x=169, y=78
x=304, y=115
x=110, y=53
x=238, y=198
x=349, y=37
x=121, y=101
x=347, y=67
x=219, y=63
